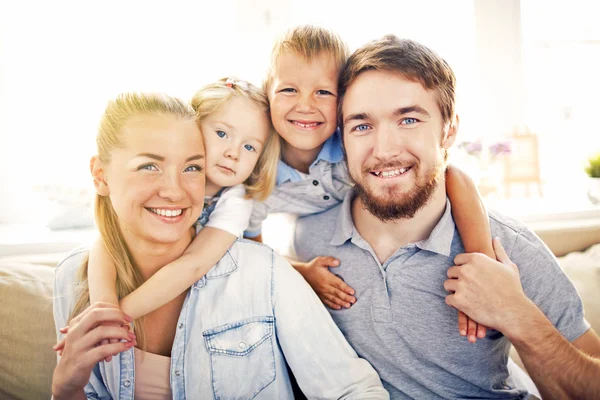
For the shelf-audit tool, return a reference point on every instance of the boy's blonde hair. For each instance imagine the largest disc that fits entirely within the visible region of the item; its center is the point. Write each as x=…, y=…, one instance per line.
x=110, y=136
x=309, y=42
x=212, y=97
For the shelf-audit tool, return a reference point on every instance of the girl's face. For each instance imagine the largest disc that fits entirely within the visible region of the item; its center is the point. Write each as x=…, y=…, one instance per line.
x=234, y=138
x=156, y=179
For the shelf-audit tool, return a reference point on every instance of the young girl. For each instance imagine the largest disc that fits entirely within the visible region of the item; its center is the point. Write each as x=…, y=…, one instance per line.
x=242, y=151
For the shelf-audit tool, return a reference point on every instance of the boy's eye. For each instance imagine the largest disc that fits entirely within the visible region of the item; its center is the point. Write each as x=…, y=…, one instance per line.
x=409, y=121
x=221, y=134
x=148, y=167
x=193, y=168
x=249, y=147
x=324, y=92
x=288, y=90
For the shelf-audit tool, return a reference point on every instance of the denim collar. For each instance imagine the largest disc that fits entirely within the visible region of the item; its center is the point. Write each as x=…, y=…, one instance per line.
x=224, y=267
x=331, y=153
x=439, y=241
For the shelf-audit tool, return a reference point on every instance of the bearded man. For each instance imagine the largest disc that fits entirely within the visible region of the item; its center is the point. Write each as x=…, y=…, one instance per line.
x=397, y=244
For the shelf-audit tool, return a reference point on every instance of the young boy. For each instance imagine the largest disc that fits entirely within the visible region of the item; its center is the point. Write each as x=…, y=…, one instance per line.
x=312, y=177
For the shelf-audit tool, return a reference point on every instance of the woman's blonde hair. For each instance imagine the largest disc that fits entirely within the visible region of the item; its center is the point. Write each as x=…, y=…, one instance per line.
x=110, y=137
x=211, y=98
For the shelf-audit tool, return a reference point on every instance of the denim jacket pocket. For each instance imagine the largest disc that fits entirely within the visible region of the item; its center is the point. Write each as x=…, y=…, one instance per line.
x=241, y=357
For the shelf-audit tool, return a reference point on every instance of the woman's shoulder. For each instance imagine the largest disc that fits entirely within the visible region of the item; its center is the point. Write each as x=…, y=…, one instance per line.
x=69, y=266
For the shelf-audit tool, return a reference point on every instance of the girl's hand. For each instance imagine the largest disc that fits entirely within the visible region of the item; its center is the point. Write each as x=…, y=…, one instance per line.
x=81, y=348
x=59, y=347
x=330, y=288
x=467, y=326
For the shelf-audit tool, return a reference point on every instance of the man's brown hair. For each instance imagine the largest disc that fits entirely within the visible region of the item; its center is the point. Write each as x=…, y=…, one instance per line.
x=408, y=58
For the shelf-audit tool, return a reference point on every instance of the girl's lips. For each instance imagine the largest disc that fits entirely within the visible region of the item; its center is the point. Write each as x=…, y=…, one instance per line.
x=225, y=170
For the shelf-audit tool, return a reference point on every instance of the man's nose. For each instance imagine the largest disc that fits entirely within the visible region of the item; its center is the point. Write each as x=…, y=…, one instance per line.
x=387, y=143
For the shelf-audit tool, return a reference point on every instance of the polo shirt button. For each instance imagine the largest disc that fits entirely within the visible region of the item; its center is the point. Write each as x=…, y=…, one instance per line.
x=316, y=182
x=177, y=373
x=127, y=383
x=326, y=197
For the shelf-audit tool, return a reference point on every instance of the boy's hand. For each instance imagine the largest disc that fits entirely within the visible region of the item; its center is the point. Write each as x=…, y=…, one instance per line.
x=330, y=288
x=470, y=328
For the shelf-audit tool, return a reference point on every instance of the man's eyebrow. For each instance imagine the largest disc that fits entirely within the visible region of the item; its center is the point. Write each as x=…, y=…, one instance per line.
x=161, y=158
x=416, y=109
x=356, y=117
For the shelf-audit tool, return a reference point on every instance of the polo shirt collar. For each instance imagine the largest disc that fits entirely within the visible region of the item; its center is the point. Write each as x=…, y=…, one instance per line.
x=331, y=153
x=439, y=241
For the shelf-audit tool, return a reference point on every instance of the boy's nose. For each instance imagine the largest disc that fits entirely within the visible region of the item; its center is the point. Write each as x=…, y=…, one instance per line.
x=306, y=104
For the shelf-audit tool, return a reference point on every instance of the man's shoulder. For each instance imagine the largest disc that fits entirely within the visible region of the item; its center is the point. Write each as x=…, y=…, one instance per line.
x=326, y=220
x=516, y=236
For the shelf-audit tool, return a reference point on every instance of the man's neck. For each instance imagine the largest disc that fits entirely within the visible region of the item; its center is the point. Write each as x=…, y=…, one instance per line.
x=387, y=237
x=298, y=159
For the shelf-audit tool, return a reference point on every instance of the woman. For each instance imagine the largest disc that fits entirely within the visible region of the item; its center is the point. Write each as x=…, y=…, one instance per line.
x=227, y=336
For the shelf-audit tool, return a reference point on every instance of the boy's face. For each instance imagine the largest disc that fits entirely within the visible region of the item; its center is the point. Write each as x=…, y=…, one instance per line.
x=303, y=97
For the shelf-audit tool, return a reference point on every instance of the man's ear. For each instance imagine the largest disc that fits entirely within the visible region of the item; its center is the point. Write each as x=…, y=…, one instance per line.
x=99, y=175
x=450, y=133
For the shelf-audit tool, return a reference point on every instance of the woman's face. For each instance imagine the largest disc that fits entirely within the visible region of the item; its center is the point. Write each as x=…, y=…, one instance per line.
x=156, y=179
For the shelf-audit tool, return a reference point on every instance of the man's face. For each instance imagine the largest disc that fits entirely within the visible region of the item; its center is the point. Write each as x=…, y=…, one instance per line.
x=395, y=143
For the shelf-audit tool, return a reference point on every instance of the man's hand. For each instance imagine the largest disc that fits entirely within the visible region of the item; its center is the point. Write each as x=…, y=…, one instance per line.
x=488, y=291
x=330, y=288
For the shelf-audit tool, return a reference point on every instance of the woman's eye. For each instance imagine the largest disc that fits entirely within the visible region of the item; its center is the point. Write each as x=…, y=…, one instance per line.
x=249, y=147
x=193, y=168
x=221, y=134
x=148, y=167
x=324, y=92
x=409, y=121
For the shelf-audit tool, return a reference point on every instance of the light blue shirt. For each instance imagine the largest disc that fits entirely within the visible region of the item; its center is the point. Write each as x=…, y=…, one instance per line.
x=401, y=323
x=237, y=328
x=325, y=186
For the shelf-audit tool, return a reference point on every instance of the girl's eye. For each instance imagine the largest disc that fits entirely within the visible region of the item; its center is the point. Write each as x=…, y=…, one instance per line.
x=249, y=147
x=148, y=167
x=193, y=168
x=288, y=90
x=324, y=92
x=409, y=121
x=360, y=128
x=221, y=134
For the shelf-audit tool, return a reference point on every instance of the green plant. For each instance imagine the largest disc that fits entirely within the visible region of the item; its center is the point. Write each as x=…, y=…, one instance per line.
x=593, y=167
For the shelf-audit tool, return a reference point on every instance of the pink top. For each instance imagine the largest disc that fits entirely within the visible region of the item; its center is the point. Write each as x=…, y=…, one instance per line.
x=152, y=376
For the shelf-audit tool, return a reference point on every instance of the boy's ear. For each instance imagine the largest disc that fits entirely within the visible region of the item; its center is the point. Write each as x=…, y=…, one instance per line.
x=98, y=173
x=450, y=132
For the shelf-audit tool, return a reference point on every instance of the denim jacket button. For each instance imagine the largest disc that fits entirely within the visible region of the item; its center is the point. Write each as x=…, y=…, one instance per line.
x=177, y=373
x=127, y=383
x=242, y=345
x=181, y=325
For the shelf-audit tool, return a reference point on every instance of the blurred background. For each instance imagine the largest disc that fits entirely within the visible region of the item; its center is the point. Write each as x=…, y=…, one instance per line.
x=527, y=98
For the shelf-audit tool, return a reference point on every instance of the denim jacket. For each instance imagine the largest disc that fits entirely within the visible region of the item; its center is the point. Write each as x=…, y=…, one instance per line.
x=238, y=326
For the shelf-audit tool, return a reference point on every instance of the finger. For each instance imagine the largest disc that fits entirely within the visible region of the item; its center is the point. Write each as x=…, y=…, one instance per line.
x=462, y=258
x=92, y=357
x=481, y=331
x=331, y=304
x=451, y=285
x=99, y=316
x=343, y=286
x=337, y=303
x=95, y=337
x=329, y=261
x=64, y=329
x=462, y=323
x=454, y=272
x=108, y=359
x=471, y=330
x=60, y=345
x=501, y=253
x=343, y=299
x=92, y=308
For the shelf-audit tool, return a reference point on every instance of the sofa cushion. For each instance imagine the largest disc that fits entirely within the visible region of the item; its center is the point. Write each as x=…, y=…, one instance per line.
x=27, y=330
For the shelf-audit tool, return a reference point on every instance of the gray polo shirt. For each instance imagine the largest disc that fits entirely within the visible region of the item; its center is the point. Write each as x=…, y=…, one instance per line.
x=401, y=323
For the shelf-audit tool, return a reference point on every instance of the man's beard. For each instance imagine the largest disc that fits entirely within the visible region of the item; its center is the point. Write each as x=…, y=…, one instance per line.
x=392, y=206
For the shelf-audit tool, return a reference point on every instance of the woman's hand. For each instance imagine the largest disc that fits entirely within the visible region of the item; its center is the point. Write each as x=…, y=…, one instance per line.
x=82, y=346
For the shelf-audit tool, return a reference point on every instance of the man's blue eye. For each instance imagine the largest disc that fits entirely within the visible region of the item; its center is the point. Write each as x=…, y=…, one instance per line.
x=249, y=147
x=361, y=128
x=221, y=134
x=409, y=121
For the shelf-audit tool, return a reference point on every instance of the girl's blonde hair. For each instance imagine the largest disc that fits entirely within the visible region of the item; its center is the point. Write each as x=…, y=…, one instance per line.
x=110, y=136
x=211, y=98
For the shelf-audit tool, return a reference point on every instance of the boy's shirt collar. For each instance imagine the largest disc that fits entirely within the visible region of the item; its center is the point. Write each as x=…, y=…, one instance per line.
x=331, y=153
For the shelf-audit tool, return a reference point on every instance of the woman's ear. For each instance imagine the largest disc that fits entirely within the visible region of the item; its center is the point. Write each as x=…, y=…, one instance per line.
x=98, y=173
x=450, y=133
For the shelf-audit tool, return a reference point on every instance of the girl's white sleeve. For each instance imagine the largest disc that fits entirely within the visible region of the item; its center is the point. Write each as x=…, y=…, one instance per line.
x=232, y=211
